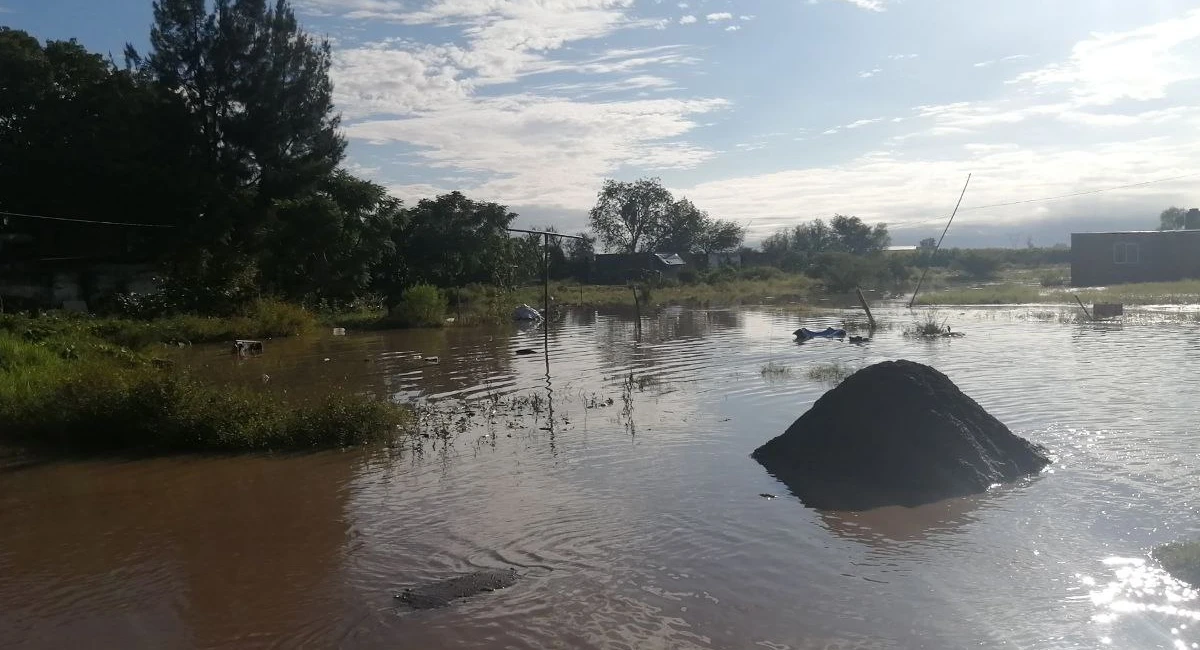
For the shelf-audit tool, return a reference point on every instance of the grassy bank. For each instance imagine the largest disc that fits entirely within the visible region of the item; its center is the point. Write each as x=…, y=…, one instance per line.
x=1150, y=293
x=263, y=319
x=719, y=294
x=65, y=389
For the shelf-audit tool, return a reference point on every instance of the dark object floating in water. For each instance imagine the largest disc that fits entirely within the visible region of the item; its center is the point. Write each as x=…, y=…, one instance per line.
x=805, y=334
x=859, y=339
x=1181, y=560
x=918, y=440
x=767, y=496
x=526, y=351
x=244, y=347
x=440, y=594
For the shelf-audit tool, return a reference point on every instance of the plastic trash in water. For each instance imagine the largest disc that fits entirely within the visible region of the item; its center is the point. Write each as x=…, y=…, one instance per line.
x=526, y=313
x=339, y=331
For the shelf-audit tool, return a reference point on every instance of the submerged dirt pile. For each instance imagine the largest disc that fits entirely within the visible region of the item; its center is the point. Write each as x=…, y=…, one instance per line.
x=895, y=433
x=440, y=594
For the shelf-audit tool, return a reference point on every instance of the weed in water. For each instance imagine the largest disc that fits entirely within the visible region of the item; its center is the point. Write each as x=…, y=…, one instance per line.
x=830, y=373
x=929, y=324
x=775, y=370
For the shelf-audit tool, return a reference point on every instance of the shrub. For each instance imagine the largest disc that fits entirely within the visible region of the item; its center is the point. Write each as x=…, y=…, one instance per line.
x=842, y=272
x=721, y=275
x=420, y=306
x=689, y=276
x=977, y=265
x=1053, y=279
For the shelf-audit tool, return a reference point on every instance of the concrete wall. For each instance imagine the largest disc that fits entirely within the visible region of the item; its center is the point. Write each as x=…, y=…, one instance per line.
x=1105, y=258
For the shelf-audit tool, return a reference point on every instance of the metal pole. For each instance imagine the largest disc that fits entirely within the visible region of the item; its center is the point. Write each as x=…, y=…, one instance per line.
x=546, y=299
x=939, y=243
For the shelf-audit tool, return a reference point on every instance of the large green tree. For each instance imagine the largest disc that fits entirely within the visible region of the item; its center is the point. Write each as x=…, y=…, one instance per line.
x=449, y=241
x=82, y=139
x=642, y=216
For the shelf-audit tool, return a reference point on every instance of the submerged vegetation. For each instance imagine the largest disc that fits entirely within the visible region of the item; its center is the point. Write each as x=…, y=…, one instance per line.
x=775, y=370
x=1181, y=560
x=831, y=373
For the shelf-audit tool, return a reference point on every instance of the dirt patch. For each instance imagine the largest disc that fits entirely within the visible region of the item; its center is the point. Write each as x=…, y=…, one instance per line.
x=896, y=433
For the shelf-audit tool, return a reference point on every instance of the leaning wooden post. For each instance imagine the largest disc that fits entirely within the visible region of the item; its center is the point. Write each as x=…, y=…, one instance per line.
x=862, y=300
x=1085, y=311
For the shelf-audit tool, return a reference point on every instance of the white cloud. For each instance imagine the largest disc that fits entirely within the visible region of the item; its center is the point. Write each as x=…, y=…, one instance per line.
x=870, y=5
x=543, y=151
x=718, y=17
x=880, y=186
x=381, y=78
x=1014, y=57
x=733, y=28
x=855, y=125
x=867, y=74
x=1138, y=64
x=687, y=20
x=901, y=57
x=683, y=5
x=745, y=17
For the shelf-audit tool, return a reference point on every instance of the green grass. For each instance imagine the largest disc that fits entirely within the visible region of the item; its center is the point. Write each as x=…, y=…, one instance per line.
x=74, y=392
x=734, y=292
x=1181, y=560
x=1183, y=292
x=831, y=373
x=993, y=294
x=263, y=319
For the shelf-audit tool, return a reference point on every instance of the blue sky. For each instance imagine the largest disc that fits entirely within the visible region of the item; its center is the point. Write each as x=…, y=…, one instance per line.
x=769, y=112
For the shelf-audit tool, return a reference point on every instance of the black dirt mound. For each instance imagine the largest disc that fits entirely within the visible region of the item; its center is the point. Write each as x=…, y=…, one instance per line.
x=440, y=594
x=896, y=433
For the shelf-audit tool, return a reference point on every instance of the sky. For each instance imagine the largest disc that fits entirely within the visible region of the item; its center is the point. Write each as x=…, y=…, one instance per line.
x=766, y=112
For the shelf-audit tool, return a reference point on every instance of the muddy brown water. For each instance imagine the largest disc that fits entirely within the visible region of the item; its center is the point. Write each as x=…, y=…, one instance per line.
x=636, y=525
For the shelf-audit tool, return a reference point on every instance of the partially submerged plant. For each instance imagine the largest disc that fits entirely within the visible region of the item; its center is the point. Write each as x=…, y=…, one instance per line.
x=927, y=325
x=832, y=373
x=774, y=370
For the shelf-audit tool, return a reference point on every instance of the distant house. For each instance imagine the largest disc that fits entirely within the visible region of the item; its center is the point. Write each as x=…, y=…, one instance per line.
x=1104, y=258
x=892, y=250
x=619, y=268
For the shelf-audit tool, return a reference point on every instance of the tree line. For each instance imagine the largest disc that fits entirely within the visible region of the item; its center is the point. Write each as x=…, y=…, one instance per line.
x=223, y=139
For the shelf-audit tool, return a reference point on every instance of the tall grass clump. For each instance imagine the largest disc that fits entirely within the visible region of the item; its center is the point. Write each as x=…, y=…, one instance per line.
x=927, y=324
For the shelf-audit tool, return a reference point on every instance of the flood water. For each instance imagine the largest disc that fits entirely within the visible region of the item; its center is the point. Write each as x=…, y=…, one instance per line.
x=637, y=524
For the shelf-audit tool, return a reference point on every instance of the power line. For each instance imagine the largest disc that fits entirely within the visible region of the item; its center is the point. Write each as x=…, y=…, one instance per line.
x=103, y=223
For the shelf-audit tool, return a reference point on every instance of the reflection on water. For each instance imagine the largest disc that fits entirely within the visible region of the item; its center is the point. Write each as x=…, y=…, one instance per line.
x=619, y=482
